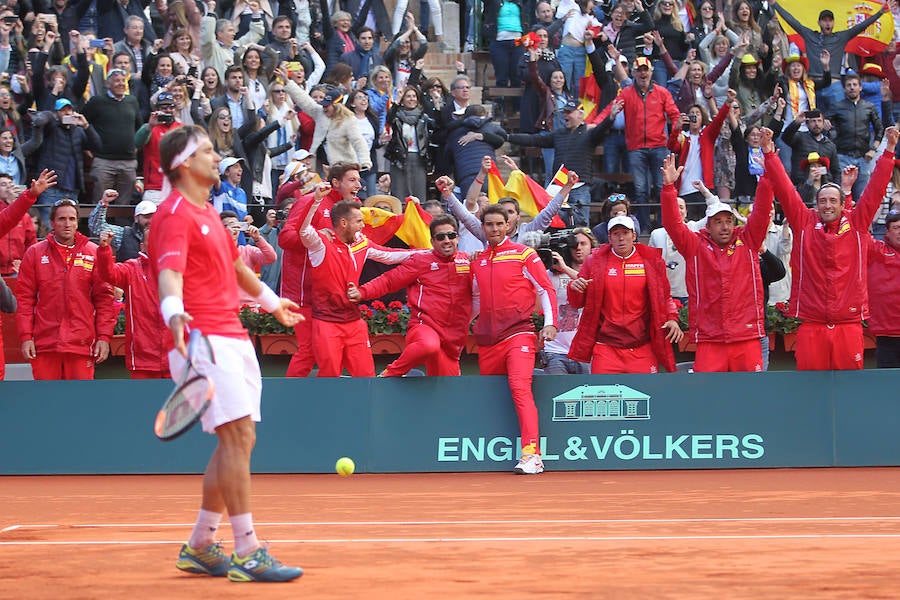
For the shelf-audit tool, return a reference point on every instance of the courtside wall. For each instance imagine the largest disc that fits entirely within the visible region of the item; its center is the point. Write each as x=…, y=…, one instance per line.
x=425, y=424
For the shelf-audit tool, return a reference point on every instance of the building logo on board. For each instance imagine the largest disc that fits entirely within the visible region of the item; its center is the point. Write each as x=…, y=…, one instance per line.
x=601, y=403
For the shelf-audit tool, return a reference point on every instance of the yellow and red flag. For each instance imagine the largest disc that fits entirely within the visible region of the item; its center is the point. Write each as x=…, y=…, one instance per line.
x=414, y=230
x=495, y=183
x=531, y=196
x=380, y=225
x=847, y=13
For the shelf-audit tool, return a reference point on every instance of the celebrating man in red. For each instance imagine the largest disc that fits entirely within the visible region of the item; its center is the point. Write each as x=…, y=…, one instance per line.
x=884, y=290
x=342, y=338
x=65, y=315
x=828, y=263
x=508, y=276
x=200, y=272
x=147, y=338
x=296, y=279
x=629, y=320
x=725, y=289
x=440, y=302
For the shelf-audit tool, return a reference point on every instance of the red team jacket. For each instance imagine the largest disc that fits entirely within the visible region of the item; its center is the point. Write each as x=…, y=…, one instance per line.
x=63, y=309
x=439, y=295
x=828, y=263
x=661, y=307
x=884, y=289
x=645, y=115
x=147, y=339
x=16, y=230
x=724, y=284
x=296, y=282
x=508, y=276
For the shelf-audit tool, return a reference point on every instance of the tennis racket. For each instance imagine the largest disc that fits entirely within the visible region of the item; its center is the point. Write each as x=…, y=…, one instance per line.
x=192, y=394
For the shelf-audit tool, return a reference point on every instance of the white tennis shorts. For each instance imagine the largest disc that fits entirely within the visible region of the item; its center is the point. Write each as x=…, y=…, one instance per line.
x=236, y=376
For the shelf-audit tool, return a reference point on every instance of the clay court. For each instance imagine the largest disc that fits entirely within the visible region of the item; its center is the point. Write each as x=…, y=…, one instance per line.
x=778, y=533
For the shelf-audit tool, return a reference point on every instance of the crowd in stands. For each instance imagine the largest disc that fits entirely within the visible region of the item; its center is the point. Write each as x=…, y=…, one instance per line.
x=315, y=105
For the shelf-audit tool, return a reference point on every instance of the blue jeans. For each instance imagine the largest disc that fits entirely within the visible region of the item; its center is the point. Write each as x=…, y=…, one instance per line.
x=580, y=201
x=573, y=62
x=865, y=171
x=615, y=153
x=560, y=364
x=645, y=166
x=549, y=154
x=785, y=153
x=505, y=57
x=369, y=180
x=660, y=73
x=764, y=343
x=50, y=197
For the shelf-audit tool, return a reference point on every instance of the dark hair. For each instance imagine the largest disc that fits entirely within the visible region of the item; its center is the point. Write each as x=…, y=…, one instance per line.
x=813, y=114
x=339, y=73
x=342, y=210
x=63, y=202
x=117, y=55
x=415, y=90
x=225, y=214
x=475, y=110
x=362, y=30
x=233, y=69
x=509, y=200
x=6, y=175
x=281, y=18
x=442, y=220
x=173, y=143
x=494, y=209
x=892, y=217
x=339, y=169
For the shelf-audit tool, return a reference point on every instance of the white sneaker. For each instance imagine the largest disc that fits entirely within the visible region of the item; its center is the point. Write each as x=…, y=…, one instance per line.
x=529, y=464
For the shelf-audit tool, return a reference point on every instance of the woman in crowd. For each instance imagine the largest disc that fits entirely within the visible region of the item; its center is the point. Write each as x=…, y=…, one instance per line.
x=435, y=96
x=256, y=74
x=381, y=93
x=744, y=23
x=671, y=29
x=572, y=55
x=535, y=69
x=367, y=120
x=12, y=161
x=706, y=22
x=748, y=155
x=212, y=83
x=190, y=109
x=408, y=149
x=616, y=205
x=753, y=87
x=282, y=110
x=159, y=72
x=182, y=52
x=503, y=23
x=552, y=97
x=404, y=51
x=226, y=142
x=10, y=118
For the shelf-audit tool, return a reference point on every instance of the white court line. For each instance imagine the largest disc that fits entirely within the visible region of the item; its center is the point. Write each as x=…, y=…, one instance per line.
x=629, y=538
x=482, y=522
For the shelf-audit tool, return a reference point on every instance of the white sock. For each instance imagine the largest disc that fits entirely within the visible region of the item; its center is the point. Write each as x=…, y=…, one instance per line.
x=205, y=528
x=245, y=541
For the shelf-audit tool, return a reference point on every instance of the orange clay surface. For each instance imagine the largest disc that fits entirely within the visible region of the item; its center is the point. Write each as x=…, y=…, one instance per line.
x=783, y=533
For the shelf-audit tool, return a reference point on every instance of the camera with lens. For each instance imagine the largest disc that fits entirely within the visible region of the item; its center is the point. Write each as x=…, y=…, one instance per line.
x=561, y=241
x=164, y=118
x=280, y=215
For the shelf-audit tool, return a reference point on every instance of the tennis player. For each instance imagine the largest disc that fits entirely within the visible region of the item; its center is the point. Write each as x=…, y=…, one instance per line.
x=199, y=272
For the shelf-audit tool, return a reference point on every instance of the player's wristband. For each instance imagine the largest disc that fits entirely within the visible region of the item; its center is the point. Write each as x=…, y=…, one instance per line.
x=268, y=299
x=171, y=306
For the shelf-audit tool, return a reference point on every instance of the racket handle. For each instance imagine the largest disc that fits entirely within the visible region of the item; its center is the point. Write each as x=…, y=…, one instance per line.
x=195, y=337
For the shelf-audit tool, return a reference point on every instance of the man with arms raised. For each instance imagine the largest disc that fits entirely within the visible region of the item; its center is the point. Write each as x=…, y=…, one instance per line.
x=440, y=302
x=828, y=263
x=296, y=281
x=725, y=289
x=200, y=273
x=508, y=276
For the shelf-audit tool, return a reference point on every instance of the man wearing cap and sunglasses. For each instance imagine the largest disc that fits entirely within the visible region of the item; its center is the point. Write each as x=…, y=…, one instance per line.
x=60, y=139
x=828, y=262
x=163, y=120
x=440, y=302
x=725, y=288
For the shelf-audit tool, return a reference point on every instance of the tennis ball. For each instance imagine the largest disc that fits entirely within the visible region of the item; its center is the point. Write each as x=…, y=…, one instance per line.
x=344, y=467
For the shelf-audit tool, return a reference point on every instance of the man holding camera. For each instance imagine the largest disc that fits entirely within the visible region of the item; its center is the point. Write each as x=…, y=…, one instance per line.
x=148, y=136
x=629, y=319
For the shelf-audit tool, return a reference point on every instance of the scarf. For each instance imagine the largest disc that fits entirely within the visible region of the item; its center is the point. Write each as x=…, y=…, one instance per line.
x=409, y=116
x=548, y=54
x=160, y=82
x=349, y=46
x=794, y=93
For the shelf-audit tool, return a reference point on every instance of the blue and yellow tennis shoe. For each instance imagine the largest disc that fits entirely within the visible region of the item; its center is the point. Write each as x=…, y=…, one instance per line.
x=206, y=561
x=261, y=566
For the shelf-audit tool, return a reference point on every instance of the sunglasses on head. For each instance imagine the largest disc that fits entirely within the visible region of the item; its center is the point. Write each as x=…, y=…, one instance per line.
x=65, y=202
x=615, y=197
x=451, y=235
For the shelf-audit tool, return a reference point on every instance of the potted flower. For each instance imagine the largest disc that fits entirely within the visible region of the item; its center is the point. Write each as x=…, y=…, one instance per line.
x=685, y=345
x=779, y=322
x=387, y=325
x=272, y=337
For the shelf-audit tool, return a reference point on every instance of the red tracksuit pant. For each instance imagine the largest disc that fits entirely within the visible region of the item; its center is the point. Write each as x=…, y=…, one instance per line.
x=303, y=359
x=423, y=346
x=59, y=365
x=715, y=357
x=343, y=346
x=607, y=359
x=514, y=357
x=822, y=347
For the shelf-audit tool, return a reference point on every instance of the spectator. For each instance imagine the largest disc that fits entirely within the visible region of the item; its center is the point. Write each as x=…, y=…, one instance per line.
x=17, y=227
x=460, y=91
x=748, y=161
x=114, y=18
x=270, y=274
x=257, y=75
x=117, y=117
x=437, y=18
x=335, y=124
x=364, y=57
x=148, y=137
x=753, y=86
x=358, y=102
x=572, y=55
x=727, y=316
x=440, y=303
x=296, y=282
x=694, y=82
x=217, y=44
x=856, y=144
x=60, y=138
x=828, y=291
x=779, y=243
x=883, y=278
x=675, y=262
x=400, y=56
x=134, y=86
x=65, y=315
x=409, y=148
x=190, y=109
x=469, y=140
x=502, y=23
x=564, y=270
x=771, y=271
x=134, y=44
x=545, y=20
x=804, y=143
x=536, y=69
x=126, y=241
x=229, y=196
x=381, y=93
x=616, y=205
x=183, y=52
x=255, y=255
x=294, y=127
x=12, y=161
x=721, y=48
x=628, y=37
x=743, y=23
x=383, y=185
x=342, y=39
x=629, y=320
x=342, y=337
x=508, y=276
x=573, y=146
x=286, y=45
x=799, y=91
x=11, y=121
x=56, y=82
x=212, y=83
x=147, y=339
x=648, y=107
x=675, y=39
x=694, y=141
x=238, y=100
x=815, y=171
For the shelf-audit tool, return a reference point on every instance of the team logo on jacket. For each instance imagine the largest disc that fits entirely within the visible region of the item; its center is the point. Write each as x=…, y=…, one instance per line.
x=45, y=260
x=734, y=246
x=326, y=213
x=204, y=229
x=434, y=266
x=612, y=272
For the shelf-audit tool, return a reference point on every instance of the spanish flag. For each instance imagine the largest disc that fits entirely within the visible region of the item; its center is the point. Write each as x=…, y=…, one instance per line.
x=414, y=230
x=380, y=225
x=559, y=180
x=495, y=184
x=847, y=13
x=531, y=196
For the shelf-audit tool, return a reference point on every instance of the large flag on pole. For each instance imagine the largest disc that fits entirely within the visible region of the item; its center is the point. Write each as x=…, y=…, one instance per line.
x=847, y=13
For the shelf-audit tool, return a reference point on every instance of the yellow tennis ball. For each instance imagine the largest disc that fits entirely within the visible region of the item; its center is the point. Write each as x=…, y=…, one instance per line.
x=344, y=467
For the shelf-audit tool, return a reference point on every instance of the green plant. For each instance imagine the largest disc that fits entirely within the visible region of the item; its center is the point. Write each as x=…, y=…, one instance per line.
x=258, y=322
x=120, y=324
x=385, y=318
x=778, y=321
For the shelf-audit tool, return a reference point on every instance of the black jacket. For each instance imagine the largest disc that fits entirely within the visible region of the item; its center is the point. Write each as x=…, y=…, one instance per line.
x=573, y=147
x=850, y=126
x=802, y=143
x=56, y=145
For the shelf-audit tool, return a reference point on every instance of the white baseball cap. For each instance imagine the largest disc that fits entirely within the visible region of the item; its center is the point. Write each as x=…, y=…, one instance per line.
x=716, y=208
x=228, y=162
x=301, y=154
x=144, y=207
x=621, y=220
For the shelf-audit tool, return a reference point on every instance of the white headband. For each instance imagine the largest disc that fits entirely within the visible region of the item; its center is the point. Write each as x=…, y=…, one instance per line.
x=185, y=154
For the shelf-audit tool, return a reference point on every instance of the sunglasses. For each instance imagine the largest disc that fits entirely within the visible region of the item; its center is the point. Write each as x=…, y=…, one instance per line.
x=452, y=235
x=615, y=197
x=277, y=91
x=224, y=117
x=65, y=202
